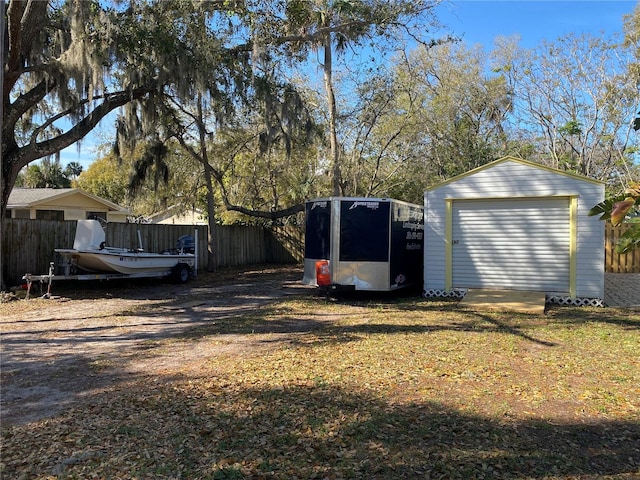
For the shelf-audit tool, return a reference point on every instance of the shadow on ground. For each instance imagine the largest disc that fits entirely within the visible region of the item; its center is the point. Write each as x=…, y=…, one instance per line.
x=212, y=430
x=150, y=425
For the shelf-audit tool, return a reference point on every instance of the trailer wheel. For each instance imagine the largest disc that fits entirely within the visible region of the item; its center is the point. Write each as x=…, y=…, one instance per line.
x=181, y=273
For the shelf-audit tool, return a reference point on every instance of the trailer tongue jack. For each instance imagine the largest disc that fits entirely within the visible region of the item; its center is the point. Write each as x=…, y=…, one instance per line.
x=29, y=278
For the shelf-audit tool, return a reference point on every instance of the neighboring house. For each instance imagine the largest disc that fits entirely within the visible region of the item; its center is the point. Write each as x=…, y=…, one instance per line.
x=175, y=216
x=62, y=204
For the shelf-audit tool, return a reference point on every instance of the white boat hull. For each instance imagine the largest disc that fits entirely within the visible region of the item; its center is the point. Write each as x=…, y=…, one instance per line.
x=115, y=261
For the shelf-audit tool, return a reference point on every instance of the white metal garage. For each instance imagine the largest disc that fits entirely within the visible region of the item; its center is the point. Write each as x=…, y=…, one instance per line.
x=516, y=225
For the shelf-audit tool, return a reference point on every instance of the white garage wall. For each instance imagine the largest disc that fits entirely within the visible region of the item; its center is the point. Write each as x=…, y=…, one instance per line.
x=510, y=178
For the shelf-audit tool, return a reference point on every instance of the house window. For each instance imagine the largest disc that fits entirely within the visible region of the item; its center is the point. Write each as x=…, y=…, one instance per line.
x=22, y=214
x=50, y=215
x=93, y=215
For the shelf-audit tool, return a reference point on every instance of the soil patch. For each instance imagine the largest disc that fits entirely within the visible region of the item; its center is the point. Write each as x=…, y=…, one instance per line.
x=91, y=336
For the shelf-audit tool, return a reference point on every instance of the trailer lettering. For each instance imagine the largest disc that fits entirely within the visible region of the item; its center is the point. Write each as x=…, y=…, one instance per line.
x=371, y=205
x=413, y=226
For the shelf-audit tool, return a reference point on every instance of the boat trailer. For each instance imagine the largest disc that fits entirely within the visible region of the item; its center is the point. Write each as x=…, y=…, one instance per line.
x=181, y=273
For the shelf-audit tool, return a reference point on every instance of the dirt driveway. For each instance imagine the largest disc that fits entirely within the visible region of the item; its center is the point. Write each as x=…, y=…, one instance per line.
x=90, y=337
x=56, y=352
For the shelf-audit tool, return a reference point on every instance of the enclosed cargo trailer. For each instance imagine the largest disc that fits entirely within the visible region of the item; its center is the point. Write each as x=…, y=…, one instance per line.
x=373, y=244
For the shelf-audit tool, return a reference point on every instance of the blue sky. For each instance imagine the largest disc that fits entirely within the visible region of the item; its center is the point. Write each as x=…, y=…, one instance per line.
x=477, y=21
x=480, y=21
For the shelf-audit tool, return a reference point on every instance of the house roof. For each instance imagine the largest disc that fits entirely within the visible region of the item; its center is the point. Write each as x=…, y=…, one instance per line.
x=516, y=160
x=32, y=197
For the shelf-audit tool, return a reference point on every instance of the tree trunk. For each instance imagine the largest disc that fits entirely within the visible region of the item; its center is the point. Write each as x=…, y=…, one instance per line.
x=331, y=101
x=211, y=212
x=211, y=207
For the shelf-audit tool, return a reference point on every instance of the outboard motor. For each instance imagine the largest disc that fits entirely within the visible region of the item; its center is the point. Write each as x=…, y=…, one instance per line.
x=186, y=244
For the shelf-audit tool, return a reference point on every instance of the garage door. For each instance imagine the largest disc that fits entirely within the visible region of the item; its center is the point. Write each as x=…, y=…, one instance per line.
x=519, y=244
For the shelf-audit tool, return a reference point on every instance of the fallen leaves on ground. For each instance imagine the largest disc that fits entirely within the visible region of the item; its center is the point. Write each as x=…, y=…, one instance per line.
x=401, y=387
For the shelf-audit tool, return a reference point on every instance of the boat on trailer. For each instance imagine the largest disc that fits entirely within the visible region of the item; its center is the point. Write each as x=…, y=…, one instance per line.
x=91, y=259
x=91, y=254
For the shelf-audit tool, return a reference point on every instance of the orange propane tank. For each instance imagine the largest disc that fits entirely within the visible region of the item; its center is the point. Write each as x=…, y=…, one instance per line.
x=323, y=277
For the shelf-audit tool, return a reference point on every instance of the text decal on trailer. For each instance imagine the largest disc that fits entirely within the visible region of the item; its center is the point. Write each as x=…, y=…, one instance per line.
x=415, y=229
x=371, y=205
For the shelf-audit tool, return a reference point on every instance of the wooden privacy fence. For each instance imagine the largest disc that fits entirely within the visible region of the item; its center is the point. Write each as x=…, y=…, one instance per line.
x=28, y=245
x=616, y=262
x=247, y=245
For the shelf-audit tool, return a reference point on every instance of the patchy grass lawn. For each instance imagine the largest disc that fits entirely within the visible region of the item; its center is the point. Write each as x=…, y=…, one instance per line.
x=364, y=388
